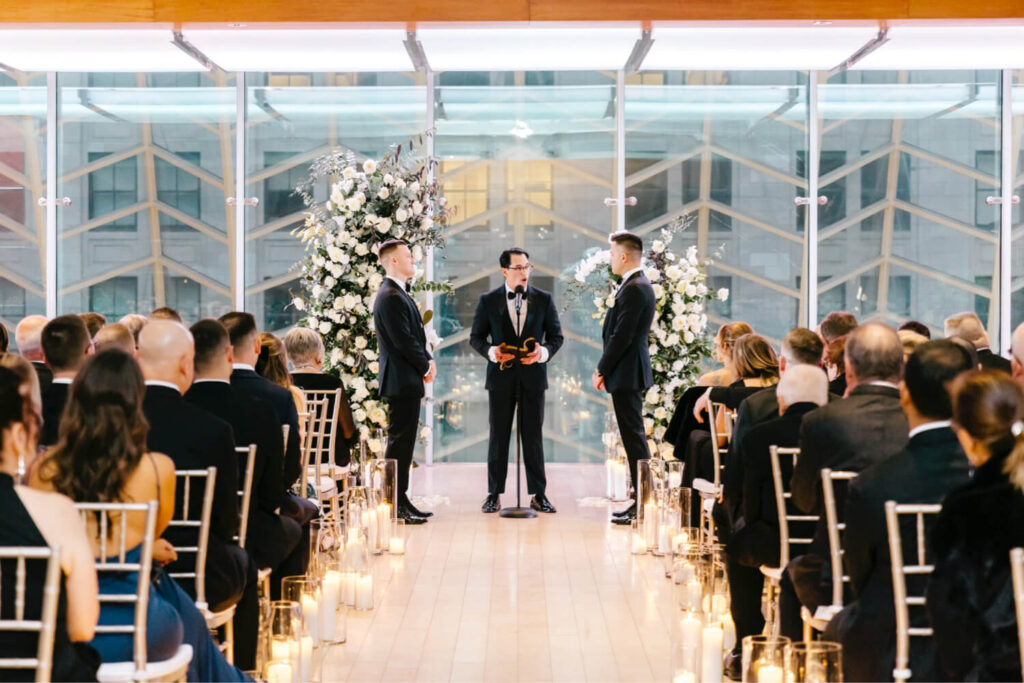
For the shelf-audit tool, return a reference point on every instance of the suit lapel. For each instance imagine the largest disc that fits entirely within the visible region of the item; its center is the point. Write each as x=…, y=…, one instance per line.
x=531, y=313
x=501, y=304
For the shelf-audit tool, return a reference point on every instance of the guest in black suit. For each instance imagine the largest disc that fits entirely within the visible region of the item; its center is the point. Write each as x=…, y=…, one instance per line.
x=624, y=370
x=193, y=439
x=245, y=345
x=405, y=364
x=916, y=327
x=929, y=467
x=970, y=598
x=66, y=343
x=968, y=326
x=755, y=537
x=28, y=336
x=833, y=329
x=853, y=433
x=497, y=322
x=306, y=351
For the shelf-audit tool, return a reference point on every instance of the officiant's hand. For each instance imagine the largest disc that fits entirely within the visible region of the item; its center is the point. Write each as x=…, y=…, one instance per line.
x=532, y=357
x=502, y=357
x=431, y=373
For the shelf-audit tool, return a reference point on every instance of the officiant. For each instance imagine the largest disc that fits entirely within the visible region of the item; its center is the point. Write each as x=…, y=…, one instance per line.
x=516, y=329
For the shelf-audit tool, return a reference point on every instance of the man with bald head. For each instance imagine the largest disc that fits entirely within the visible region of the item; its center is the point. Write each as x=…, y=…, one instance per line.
x=28, y=336
x=853, y=433
x=968, y=326
x=194, y=439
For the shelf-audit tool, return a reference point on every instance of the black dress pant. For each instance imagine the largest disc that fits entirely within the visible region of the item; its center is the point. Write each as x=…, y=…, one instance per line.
x=403, y=420
x=502, y=417
x=745, y=587
x=629, y=415
x=301, y=511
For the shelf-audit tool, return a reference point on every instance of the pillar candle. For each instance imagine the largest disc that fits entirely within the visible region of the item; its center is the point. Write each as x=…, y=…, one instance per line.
x=384, y=524
x=279, y=672
x=687, y=573
x=371, y=529
x=639, y=545
x=717, y=605
x=685, y=677
x=728, y=632
x=348, y=588
x=609, y=478
x=651, y=524
x=678, y=541
x=279, y=649
x=691, y=595
x=711, y=654
x=689, y=629
x=397, y=546
x=331, y=595
x=675, y=479
x=620, y=481
x=305, y=659
x=769, y=674
x=311, y=615
x=664, y=542
x=364, y=592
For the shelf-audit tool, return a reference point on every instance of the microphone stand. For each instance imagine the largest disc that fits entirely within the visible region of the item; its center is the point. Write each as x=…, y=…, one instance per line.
x=518, y=512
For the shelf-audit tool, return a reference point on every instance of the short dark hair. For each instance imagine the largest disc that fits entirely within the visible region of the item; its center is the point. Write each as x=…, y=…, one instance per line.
x=65, y=341
x=968, y=348
x=505, y=260
x=165, y=313
x=210, y=338
x=240, y=326
x=630, y=241
x=915, y=326
x=803, y=345
x=875, y=353
x=836, y=324
x=387, y=246
x=929, y=371
x=94, y=322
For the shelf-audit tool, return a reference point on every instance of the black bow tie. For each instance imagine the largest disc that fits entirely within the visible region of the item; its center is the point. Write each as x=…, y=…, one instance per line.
x=408, y=288
x=511, y=295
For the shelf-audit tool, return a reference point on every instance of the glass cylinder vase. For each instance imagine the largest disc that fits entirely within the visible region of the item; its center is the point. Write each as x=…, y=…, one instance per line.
x=764, y=659
x=818, y=661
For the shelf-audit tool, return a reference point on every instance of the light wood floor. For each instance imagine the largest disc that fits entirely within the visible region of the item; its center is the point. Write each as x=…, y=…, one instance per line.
x=481, y=598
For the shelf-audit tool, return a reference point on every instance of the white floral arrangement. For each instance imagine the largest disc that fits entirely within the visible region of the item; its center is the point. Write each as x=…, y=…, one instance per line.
x=679, y=339
x=370, y=202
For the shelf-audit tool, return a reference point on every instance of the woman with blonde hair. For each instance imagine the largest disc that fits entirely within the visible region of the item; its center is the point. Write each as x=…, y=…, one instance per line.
x=273, y=364
x=970, y=593
x=724, y=341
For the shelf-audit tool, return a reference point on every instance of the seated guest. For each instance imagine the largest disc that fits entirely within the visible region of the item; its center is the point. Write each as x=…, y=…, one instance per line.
x=834, y=326
x=931, y=465
x=166, y=313
x=33, y=519
x=115, y=336
x=755, y=537
x=853, y=433
x=968, y=326
x=915, y=326
x=101, y=456
x=66, y=343
x=910, y=340
x=306, y=351
x=94, y=322
x=134, y=322
x=272, y=540
x=970, y=594
x=28, y=335
x=724, y=340
x=193, y=439
x=834, y=363
x=273, y=365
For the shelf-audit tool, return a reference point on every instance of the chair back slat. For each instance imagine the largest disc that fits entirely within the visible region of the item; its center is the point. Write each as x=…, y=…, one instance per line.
x=323, y=407
x=245, y=494
x=782, y=497
x=45, y=626
x=829, y=478
x=900, y=570
x=142, y=567
x=716, y=411
x=285, y=430
x=202, y=525
x=1017, y=572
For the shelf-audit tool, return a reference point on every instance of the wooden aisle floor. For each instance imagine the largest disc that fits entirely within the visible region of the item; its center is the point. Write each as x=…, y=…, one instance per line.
x=481, y=598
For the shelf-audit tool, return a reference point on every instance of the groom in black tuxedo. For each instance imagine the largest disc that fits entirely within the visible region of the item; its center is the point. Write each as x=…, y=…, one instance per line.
x=624, y=370
x=533, y=326
x=405, y=364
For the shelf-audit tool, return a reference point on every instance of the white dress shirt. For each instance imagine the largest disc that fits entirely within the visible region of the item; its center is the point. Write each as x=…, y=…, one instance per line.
x=210, y=379
x=928, y=426
x=242, y=366
x=159, y=383
x=62, y=380
x=523, y=310
x=398, y=282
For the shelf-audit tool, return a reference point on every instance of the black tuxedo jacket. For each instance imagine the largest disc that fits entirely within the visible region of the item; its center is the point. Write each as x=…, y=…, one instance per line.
x=853, y=433
x=44, y=373
x=931, y=466
x=626, y=361
x=492, y=326
x=402, y=342
x=54, y=400
x=992, y=361
x=194, y=440
x=252, y=421
x=252, y=385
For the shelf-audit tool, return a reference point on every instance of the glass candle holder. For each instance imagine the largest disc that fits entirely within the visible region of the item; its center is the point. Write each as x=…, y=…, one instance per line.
x=305, y=593
x=681, y=540
x=688, y=566
x=686, y=646
x=674, y=473
x=285, y=646
x=638, y=544
x=331, y=628
x=397, y=541
x=364, y=591
x=326, y=544
x=764, y=659
x=816, y=661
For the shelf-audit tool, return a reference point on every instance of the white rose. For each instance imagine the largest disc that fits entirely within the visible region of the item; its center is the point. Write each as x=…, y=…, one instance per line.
x=352, y=204
x=384, y=225
x=336, y=269
x=691, y=291
x=374, y=367
x=325, y=327
x=370, y=354
x=427, y=223
x=653, y=395
x=653, y=274
x=678, y=324
x=658, y=246
x=384, y=193
x=660, y=413
x=298, y=303
x=348, y=174
x=659, y=291
x=334, y=253
x=417, y=208
x=691, y=255
x=316, y=291
x=688, y=337
x=672, y=340
x=351, y=300
x=335, y=356
x=360, y=342
x=369, y=166
x=598, y=302
x=610, y=301
x=388, y=179
x=702, y=289
x=665, y=449
x=329, y=282
x=415, y=187
x=723, y=294
x=378, y=415
x=677, y=366
x=361, y=249
x=401, y=215
x=399, y=183
x=674, y=272
x=652, y=349
x=360, y=415
x=336, y=197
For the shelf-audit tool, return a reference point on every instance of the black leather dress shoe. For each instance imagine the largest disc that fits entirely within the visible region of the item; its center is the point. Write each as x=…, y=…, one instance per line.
x=733, y=668
x=631, y=510
x=406, y=514
x=416, y=511
x=540, y=503
x=491, y=503
x=625, y=520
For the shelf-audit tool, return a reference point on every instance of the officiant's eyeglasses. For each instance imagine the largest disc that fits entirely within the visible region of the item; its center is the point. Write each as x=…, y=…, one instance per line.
x=520, y=269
